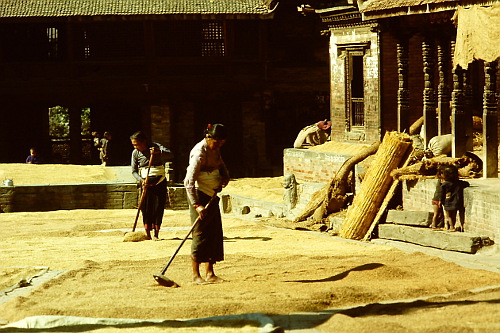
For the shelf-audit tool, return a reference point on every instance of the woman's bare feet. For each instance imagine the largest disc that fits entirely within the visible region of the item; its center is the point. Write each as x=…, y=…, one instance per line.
x=214, y=279
x=198, y=280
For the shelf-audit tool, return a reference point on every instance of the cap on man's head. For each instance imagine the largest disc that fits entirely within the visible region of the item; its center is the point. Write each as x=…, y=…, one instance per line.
x=324, y=124
x=216, y=131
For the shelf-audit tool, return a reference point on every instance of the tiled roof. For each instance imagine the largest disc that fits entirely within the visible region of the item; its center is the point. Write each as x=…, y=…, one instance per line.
x=67, y=8
x=381, y=5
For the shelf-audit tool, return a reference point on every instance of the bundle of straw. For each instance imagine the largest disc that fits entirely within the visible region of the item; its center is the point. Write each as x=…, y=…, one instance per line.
x=390, y=155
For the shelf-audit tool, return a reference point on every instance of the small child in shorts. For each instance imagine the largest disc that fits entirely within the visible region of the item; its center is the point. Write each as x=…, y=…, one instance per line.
x=452, y=199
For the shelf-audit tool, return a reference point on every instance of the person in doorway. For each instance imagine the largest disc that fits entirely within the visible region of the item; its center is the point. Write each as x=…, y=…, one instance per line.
x=33, y=157
x=109, y=150
x=98, y=141
x=452, y=199
x=313, y=135
x=151, y=179
x=208, y=171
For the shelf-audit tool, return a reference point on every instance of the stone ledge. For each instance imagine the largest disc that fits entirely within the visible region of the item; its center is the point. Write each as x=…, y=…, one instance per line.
x=406, y=217
x=445, y=240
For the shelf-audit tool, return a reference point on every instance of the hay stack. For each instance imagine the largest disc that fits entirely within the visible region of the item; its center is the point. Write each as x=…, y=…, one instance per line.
x=136, y=236
x=390, y=155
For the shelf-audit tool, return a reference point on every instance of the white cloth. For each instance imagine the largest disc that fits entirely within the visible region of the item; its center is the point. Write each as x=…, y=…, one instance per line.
x=153, y=171
x=208, y=181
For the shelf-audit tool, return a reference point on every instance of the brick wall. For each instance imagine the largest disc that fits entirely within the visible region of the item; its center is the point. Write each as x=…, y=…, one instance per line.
x=312, y=166
x=30, y=198
x=482, y=203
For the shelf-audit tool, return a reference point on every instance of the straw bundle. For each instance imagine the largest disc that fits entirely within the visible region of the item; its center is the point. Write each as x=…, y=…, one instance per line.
x=367, y=202
x=136, y=236
x=332, y=197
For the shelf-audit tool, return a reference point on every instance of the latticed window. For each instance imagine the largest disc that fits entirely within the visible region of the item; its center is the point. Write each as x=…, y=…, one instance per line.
x=53, y=43
x=86, y=45
x=354, y=69
x=213, y=43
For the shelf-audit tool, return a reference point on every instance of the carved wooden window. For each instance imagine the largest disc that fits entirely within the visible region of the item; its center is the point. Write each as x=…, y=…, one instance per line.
x=354, y=55
x=355, y=89
x=190, y=39
x=52, y=43
x=213, y=43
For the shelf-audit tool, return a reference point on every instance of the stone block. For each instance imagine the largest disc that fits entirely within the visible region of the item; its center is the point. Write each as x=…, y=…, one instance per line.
x=130, y=200
x=177, y=198
x=244, y=206
x=405, y=217
x=451, y=241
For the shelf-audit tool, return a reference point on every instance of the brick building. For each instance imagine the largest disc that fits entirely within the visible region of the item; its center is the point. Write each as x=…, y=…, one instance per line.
x=392, y=62
x=165, y=67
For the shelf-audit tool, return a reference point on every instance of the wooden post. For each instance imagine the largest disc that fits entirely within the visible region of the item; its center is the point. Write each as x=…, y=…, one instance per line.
x=429, y=112
x=490, y=121
x=468, y=111
x=75, y=134
x=458, y=114
x=457, y=111
x=403, y=93
x=444, y=111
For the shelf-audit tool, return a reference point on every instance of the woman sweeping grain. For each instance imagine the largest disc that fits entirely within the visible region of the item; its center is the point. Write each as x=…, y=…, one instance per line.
x=155, y=187
x=208, y=171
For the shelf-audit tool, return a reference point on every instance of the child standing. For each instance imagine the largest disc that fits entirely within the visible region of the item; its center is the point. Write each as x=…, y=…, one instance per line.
x=33, y=157
x=436, y=202
x=452, y=198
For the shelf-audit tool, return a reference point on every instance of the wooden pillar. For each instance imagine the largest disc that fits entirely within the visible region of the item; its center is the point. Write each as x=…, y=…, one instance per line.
x=429, y=112
x=468, y=111
x=403, y=93
x=490, y=121
x=458, y=147
x=75, y=136
x=444, y=110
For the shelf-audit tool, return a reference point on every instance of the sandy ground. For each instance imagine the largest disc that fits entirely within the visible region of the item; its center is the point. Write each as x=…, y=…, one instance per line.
x=304, y=281
x=28, y=174
x=269, y=270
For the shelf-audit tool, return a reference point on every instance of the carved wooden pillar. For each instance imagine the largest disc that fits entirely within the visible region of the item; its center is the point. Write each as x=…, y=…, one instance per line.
x=468, y=108
x=75, y=134
x=444, y=111
x=403, y=93
x=490, y=121
x=458, y=148
x=429, y=112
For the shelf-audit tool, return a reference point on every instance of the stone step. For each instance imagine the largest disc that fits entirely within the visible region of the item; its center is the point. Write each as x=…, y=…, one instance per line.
x=441, y=239
x=405, y=217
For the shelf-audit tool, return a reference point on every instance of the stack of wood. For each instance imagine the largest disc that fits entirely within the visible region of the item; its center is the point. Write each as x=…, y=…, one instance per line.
x=392, y=154
x=469, y=166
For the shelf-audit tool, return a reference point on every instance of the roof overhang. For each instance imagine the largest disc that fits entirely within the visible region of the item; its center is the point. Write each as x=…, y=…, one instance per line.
x=379, y=9
x=127, y=9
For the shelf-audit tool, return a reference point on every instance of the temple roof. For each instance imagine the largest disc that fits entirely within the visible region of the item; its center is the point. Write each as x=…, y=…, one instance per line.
x=69, y=8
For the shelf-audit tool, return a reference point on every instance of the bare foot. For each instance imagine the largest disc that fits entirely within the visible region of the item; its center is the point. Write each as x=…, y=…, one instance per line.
x=198, y=280
x=215, y=279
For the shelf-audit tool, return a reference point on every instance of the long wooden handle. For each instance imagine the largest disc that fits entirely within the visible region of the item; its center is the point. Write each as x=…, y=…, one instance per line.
x=198, y=219
x=143, y=194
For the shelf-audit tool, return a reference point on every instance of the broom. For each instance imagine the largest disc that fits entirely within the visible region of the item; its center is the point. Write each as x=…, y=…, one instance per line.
x=131, y=236
x=161, y=278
